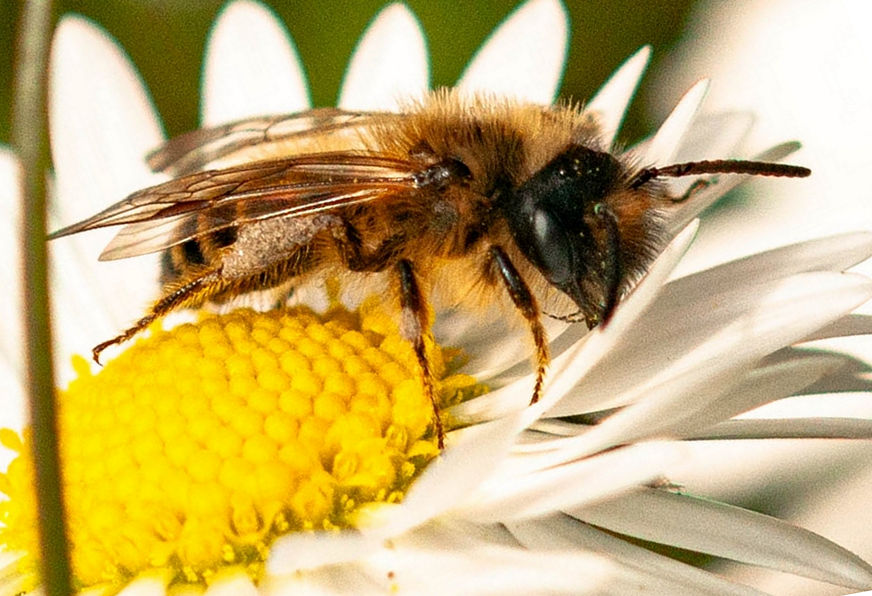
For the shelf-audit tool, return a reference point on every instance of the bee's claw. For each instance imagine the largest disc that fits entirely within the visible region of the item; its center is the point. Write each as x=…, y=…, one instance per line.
x=98, y=349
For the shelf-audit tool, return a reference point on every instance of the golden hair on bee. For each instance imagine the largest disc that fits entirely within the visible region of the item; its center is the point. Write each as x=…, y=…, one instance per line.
x=467, y=200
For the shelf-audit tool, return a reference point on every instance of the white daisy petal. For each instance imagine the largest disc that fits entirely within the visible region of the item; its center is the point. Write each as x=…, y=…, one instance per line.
x=761, y=386
x=496, y=348
x=524, y=57
x=502, y=570
x=145, y=586
x=327, y=581
x=610, y=103
x=11, y=581
x=252, y=67
x=667, y=140
x=715, y=136
x=707, y=301
x=562, y=531
x=853, y=324
x=730, y=532
x=389, y=65
x=233, y=583
x=854, y=405
x=685, y=357
x=785, y=309
x=802, y=428
x=306, y=551
x=833, y=253
x=780, y=314
x=540, y=493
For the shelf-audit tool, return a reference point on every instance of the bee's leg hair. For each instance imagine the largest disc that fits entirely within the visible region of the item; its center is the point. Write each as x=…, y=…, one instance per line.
x=191, y=292
x=414, y=325
x=526, y=303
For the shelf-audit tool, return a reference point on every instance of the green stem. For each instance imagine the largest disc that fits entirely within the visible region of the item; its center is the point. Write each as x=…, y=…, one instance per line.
x=29, y=138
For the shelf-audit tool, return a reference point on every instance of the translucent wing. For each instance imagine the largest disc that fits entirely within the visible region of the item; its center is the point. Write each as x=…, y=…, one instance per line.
x=197, y=204
x=194, y=150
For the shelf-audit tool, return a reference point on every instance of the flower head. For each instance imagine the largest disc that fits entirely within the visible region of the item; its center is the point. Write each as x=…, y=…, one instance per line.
x=524, y=498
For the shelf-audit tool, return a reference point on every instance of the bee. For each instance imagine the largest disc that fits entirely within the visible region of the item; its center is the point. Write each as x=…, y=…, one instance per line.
x=471, y=199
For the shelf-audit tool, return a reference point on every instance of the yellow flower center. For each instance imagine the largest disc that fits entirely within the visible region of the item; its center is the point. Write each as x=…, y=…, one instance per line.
x=195, y=448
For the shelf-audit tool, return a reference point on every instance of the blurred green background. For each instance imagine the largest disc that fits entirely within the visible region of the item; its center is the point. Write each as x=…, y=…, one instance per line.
x=166, y=38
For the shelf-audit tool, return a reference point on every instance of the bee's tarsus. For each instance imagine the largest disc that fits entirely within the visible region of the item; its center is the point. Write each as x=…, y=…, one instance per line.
x=415, y=325
x=98, y=349
x=186, y=294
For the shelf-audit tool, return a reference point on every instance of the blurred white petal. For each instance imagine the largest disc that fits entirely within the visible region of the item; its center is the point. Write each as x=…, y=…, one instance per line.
x=807, y=88
x=611, y=102
x=543, y=492
x=666, y=576
x=727, y=531
x=524, y=57
x=761, y=386
x=234, y=583
x=252, y=67
x=144, y=586
x=660, y=150
x=102, y=122
x=389, y=65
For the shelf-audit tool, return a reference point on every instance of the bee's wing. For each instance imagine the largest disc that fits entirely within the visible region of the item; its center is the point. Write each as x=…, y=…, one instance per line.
x=197, y=204
x=192, y=151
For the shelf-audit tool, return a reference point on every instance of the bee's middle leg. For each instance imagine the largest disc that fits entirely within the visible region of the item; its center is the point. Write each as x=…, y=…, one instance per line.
x=191, y=292
x=525, y=302
x=414, y=325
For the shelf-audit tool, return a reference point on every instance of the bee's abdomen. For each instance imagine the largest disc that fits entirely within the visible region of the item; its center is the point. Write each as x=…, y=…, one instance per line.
x=194, y=253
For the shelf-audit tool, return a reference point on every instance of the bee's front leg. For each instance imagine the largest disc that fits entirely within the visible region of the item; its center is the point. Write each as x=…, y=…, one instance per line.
x=414, y=325
x=526, y=304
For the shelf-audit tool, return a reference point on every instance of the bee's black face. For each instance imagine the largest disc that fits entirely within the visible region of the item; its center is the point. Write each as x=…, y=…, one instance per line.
x=550, y=216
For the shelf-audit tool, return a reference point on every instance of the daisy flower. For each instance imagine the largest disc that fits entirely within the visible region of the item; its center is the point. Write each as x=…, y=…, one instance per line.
x=236, y=455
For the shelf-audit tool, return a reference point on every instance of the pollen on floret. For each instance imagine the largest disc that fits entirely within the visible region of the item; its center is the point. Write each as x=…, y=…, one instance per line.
x=197, y=447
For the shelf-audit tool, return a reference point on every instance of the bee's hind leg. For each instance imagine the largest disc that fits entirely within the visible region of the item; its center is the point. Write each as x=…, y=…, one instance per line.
x=189, y=293
x=526, y=303
x=414, y=325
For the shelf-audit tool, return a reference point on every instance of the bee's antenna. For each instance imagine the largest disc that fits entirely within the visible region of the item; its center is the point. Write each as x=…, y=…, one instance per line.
x=721, y=166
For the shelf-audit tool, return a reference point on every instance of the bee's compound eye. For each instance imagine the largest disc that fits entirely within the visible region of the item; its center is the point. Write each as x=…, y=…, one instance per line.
x=553, y=247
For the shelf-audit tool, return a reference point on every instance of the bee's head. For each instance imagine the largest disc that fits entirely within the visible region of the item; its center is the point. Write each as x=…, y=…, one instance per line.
x=563, y=224
x=588, y=225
